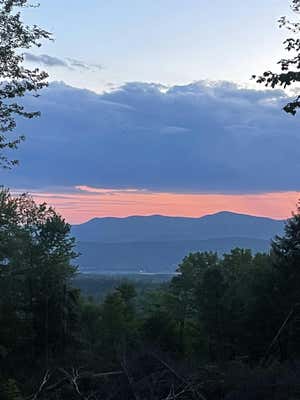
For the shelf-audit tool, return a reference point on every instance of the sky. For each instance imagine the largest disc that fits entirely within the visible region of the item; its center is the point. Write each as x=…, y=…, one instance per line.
x=169, y=42
x=151, y=110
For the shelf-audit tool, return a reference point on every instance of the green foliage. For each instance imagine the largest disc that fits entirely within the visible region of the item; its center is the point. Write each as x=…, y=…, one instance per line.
x=218, y=304
x=16, y=80
x=118, y=318
x=90, y=315
x=35, y=269
x=160, y=329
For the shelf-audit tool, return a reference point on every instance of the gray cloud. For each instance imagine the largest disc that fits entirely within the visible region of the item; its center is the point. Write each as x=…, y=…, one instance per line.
x=82, y=65
x=69, y=63
x=202, y=137
x=44, y=59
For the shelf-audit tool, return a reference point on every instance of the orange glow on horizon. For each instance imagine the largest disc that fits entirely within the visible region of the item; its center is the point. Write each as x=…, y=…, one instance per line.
x=87, y=203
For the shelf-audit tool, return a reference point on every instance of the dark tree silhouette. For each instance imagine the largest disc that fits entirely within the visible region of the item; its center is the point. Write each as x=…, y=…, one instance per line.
x=15, y=79
x=290, y=67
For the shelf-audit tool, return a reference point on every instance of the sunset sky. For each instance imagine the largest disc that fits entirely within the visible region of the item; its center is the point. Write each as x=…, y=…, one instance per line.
x=86, y=203
x=151, y=110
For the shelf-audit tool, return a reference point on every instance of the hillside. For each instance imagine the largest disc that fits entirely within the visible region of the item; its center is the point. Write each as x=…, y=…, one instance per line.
x=159, y=228
x=158, y=243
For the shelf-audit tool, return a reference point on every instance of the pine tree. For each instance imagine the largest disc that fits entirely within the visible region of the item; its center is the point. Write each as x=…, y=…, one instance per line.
x=286, y=253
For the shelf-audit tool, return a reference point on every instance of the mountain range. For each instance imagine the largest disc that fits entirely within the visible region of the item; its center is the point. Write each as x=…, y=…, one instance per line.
x=158, y=243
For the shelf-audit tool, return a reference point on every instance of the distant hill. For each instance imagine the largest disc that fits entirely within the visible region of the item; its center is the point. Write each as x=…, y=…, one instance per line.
x=157, y=243
x=154, y=256
x=158, y=228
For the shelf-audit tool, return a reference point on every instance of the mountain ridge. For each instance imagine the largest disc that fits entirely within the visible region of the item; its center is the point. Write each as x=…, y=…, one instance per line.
x=158, y=243
x=138, y=216
x=165, y=228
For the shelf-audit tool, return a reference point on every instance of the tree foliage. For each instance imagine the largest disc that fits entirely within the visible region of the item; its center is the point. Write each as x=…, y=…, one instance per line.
x=15, y=79
x=215, y=311
x=36, y=253
x=290, y=67
x=286, y=254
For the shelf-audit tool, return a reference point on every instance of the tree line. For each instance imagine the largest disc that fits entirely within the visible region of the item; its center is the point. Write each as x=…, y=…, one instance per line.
x=57, y=343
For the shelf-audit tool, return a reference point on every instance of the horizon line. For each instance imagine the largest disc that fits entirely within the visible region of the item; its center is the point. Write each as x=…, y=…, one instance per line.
x=180, y=216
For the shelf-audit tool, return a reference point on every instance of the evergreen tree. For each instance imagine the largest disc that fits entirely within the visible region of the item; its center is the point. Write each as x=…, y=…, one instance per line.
x=286, y=255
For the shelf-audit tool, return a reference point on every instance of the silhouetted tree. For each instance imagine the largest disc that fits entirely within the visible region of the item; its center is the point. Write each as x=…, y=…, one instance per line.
x=118, y=320
x=182, y=294
x=286, y=255
x=290, y=67
x=210, y=302
x=16, y=80
x=36, y=299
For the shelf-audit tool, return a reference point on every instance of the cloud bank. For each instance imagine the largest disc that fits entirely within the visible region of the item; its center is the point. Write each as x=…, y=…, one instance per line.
x=199, y=138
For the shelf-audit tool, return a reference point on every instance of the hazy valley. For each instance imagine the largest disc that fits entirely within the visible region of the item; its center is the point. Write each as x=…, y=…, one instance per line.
x=157, y=244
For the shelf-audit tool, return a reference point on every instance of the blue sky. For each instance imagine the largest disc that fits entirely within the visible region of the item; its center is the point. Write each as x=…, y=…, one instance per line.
x=159, y=136
x=166, y=41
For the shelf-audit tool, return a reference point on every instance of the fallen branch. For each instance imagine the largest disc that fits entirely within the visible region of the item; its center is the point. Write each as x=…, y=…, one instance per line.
x=42, y=385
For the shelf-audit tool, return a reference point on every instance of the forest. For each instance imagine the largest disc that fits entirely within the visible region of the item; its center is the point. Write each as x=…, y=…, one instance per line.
x=222, y=327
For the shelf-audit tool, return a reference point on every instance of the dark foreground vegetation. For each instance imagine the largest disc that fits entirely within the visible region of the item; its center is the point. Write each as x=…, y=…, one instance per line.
x=225, y=327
